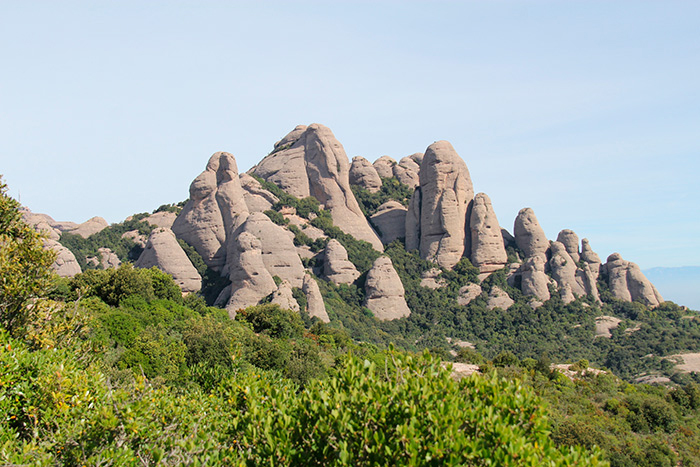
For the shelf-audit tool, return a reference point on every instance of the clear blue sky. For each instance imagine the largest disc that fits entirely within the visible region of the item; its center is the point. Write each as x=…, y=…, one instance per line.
x=588, y=112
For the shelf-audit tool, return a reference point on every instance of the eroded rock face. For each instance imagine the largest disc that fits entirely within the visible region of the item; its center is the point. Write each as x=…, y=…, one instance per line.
x=108, y=259
x=277, y=249
x=162, y=219
x=627, y=282
x=534, y=281
x=385, y=166
x=488, y=250
x=363, y=173
x=284, y=297
x=89, y=227
x=563, y=269
x=164, y=252
x=250, y=280
x=316, y=165
x=446, y=198
x=468, y=293
x=569, y=239
x=498, y=298
x=256, y=197
x=390, y=220
x=407, y=171
x=336, y=267
x=41, y=223
x=136, y=237
x=413, y=222
x=529, y=236
x=216, y=201
x=591, y=257
x=384, y=291
x=65, y=263
x=314, y=300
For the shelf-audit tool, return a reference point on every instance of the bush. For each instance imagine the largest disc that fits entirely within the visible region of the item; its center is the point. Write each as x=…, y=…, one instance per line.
x=273, y=321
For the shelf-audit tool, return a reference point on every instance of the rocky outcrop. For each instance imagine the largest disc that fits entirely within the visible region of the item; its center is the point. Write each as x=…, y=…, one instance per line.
x=276, y=247
x=446, y=195
x=256, y=197
x=284, y=297
x=89, y=227
x=314, y=300
x=65, y=264
x=216, y=201
x=162, y=219
x=488, y=250
x=135, y=237
x=627, y=282
x=534, y=281
x=385, y=166
x=407, y=171
x=363, y=174
x=164, y=252
x=390, y=220
x=498, y=298
x=417, y=158
x=591, y=257
x=41, y=223
x=384, y=291
x=563, y=269
x=316, y=165
x=336, y=267
x=529, y=236
x=108, y=259
x=468, y=293
x=431, y=279
x=250, y=280
x=413, y=222
x=569, y=239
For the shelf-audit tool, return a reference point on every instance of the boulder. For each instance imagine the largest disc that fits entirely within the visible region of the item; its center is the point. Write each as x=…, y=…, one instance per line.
x=407, y=172
x=65, y=264
x=567, y=295
x=256, y=197
x=431, y=279
x=390, y=220
x=284, y=297
x=468, y=293
x=314, y=300
x=534, y=281
x=316, y=165
x=108, y=259
x=336, y=267
x=446, y=199
x=627, y=282
x=164, y=252
x=384, y=291
x=488, y=250
x=563, y=269
x=529, y=236
x=569, y=239
x=417, y=158
x=363, y=174
x=89, y=227
x=216, y=201
x=250, y=281
x=164, y=219
x=591, y=257
x=276, y=246
x=385, y=166
x=135, y=237
x=498, y=298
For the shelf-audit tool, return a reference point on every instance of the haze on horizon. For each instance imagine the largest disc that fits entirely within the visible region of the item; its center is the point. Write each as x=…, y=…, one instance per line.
x=585, y=111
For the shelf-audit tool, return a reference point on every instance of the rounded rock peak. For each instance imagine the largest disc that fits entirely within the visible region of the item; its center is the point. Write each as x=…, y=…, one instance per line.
x=614, y=257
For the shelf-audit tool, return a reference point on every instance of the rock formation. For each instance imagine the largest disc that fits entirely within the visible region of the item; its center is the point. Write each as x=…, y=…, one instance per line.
x=277, y=248
x=89, y=227
x=534, y=281
x=363, y=174
x=468, y=293
x=413, y=222
x=216, y=201
x=407, y=171
x=256, y=197
x=314, y=300
x=316, y=165
x=390, y=220
x=65, y=263
x=488, y=250
x=498, y=298
x=385, y=166
x=446, y=195
x=162, y=219
x=108, y=259
x=570, y=241
x=384, y=291
x=563, y=269
x=250, y=281
x=164, y=252
x=627, y=282
x=135, y=237
x=284, y=297
x=591, y=257
x=529, y=236
x=336, y=267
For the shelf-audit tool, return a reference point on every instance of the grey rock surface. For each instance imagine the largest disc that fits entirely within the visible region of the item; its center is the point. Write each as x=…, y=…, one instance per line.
x=314, y=300
x=108, y=259
x=569, y=239
x=498, y=298
x=250, y=281
x=162, y=219
x=407, y=171
x=336, y=266
x=390, y=220
x=534, y=281
x=384, y=291
x=284, y=297
x=563, y=269
x=413, y=222
x=256, y=197
x=65, y=264
x=164, y=252
x=488, y=250
x=529, y=235
x=627, y=282
x=385, y=166
x=89, y=227
x=591, y=257
x=468, y=293
x=363, y=174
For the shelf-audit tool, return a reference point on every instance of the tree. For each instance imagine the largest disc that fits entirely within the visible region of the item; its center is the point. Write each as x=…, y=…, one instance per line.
x=24, y=265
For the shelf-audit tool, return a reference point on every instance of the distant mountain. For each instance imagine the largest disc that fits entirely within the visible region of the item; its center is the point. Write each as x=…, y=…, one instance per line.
x=680, y=285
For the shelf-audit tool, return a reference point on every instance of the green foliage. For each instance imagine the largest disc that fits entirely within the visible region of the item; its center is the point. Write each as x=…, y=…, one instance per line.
x=273, y=321
x=276, y=217
x=212, y=282
x=24, y=265
x=391, y=189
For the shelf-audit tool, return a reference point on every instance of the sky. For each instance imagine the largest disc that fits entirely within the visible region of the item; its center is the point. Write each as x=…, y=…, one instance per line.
x=586, y=111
